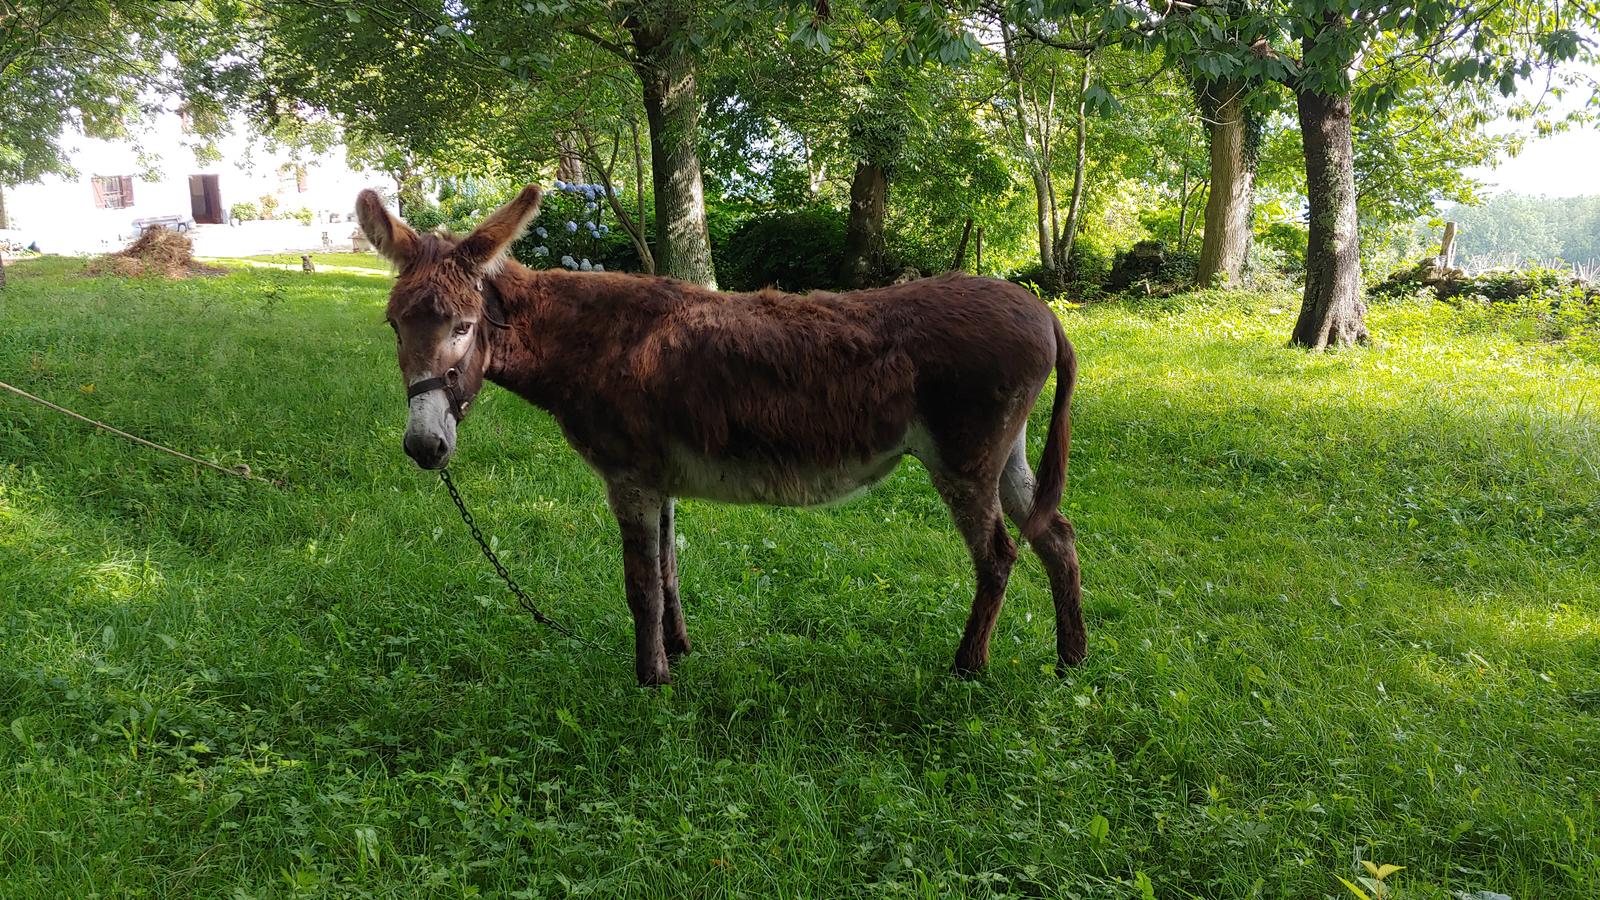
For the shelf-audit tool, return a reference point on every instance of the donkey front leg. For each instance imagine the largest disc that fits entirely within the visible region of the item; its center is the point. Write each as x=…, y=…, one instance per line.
x=674, y=632
x=638, y=512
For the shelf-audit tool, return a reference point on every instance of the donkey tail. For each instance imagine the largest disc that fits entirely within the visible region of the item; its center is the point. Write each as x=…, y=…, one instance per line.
x=1053, y=462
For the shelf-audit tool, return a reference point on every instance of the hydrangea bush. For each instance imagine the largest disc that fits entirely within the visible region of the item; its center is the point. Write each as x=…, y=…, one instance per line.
x=571, y=231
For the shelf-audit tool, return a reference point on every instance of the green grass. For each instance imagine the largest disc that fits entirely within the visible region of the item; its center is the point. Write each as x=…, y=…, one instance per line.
x=337, y=262
x=1339, y=605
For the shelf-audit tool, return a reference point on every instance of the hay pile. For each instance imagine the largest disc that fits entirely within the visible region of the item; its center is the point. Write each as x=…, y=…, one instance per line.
x=158, y=251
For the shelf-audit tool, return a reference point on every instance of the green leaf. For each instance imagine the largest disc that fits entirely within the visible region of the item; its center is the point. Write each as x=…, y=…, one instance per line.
x=1353, y=889
x=1099, y=828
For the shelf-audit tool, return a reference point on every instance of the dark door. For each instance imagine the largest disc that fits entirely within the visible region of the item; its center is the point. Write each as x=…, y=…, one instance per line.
x=205, y=200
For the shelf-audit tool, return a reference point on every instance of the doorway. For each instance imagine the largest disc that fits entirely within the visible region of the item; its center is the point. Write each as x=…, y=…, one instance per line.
x=205, y=200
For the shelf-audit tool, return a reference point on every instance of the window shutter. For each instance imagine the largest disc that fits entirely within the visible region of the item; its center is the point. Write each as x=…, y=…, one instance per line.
x=99, y=192
x=127, y=190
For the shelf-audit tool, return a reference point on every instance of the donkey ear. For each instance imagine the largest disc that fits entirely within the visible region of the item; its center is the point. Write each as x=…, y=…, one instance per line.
x=484, y=249
x=392, y=237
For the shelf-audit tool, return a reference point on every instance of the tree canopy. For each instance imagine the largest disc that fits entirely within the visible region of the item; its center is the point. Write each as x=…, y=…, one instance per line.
x=1054, y=133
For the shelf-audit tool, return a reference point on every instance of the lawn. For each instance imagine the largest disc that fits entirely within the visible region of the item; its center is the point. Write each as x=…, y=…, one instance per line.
x=343, y=263
x=1341, y=607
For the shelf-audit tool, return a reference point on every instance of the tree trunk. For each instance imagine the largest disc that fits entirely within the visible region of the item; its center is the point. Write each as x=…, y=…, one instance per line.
x=1447, y=246
x=978, y=269
x=4, y=222
x=2, y=271
x=672, y=108
x=1047, y=244
x=863, y=234
x=961, y=248
x=569, y=162
x=1075, y=208
x=1331, y=311
x=1037, y=168
x=1226, y=242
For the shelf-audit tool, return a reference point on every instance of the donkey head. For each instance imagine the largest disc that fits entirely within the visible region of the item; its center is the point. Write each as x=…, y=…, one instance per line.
x=441, y=314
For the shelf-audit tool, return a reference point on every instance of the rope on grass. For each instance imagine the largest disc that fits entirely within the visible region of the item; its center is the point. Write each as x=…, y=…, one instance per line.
x=239, y=471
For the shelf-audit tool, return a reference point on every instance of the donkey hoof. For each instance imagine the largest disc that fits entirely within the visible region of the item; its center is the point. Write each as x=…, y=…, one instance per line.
x=1070, y=659
x=654, y=676
x=677, y=647
x=968, y=667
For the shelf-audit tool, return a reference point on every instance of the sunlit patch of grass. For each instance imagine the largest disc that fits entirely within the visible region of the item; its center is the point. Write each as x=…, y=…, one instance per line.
x=1342, y=607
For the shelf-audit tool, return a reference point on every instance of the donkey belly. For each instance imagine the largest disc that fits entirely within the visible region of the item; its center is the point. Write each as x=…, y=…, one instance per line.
x=776, y=483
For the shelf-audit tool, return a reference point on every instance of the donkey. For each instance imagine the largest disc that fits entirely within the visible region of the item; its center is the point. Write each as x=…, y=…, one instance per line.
x=667, y=389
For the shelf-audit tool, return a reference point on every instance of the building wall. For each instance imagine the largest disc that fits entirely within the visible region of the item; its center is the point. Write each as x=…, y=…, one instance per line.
x=60, y=213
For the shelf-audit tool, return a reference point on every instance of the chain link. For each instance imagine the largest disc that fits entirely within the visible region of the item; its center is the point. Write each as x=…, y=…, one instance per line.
x=516, y=589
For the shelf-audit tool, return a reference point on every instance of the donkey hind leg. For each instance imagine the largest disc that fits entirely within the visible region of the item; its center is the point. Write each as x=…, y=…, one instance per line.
x=975, y=505
x=638, y=512
x=674, y=633
x=1057, y=549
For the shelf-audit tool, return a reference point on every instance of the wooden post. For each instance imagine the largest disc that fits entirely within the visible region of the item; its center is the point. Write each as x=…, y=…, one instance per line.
x=961, y=248
x=978, y=269
x=1447, y=247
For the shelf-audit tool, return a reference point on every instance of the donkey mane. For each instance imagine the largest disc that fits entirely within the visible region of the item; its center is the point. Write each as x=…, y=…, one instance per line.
x=436, y=285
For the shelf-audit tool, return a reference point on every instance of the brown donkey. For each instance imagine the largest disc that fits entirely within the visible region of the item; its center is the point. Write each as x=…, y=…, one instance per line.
x=670, y=390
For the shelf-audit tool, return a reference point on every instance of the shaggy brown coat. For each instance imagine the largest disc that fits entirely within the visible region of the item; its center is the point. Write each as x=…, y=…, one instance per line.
x=668, y=389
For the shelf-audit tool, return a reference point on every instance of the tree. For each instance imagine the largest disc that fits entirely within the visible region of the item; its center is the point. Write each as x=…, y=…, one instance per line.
x=1233, y=130
x=90, y=65
x=474, y=62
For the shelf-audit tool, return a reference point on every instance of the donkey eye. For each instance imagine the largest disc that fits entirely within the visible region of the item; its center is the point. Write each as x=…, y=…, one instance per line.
x=463, y=328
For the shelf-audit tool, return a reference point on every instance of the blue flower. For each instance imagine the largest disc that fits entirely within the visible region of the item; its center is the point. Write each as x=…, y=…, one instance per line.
x=560, y=185
x=591, y=206
x=586, y=266
x=603, y=229
x=541, y=251
x=599, y=268
x=572, y=226
x=569, y=262
x=541, y=232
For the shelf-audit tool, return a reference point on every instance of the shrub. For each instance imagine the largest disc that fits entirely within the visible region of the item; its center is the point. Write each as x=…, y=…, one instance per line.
x=1149, y=268
x=269, y=206
x=1284, y=246
x=571, y=232
x=422, y=215
x=794, y=251
x=303, y=215
x=244, y=212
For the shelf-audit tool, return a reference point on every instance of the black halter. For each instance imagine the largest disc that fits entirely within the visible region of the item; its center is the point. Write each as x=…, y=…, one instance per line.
x=448, y=384
x=494, y=314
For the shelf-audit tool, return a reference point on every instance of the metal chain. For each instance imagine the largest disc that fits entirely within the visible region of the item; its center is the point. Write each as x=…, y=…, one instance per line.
x=516, y=589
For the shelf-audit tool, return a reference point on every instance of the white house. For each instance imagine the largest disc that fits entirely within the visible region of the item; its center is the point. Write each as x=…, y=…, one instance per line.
x=120, y=183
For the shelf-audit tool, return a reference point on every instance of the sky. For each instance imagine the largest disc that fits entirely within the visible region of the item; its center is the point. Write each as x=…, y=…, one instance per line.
x=1561, y=165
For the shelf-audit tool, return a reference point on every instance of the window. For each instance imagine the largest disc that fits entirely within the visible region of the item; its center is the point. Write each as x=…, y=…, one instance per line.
x=113, y=191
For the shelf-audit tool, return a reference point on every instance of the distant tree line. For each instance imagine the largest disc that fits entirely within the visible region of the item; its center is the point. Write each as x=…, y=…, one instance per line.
x=1517, y=229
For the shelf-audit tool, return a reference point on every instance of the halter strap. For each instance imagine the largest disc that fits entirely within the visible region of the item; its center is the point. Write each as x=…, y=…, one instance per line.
x=494, y=314
x=436, y=383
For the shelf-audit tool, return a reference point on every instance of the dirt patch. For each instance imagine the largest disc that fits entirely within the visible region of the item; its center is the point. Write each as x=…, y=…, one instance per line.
x=158, y=251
